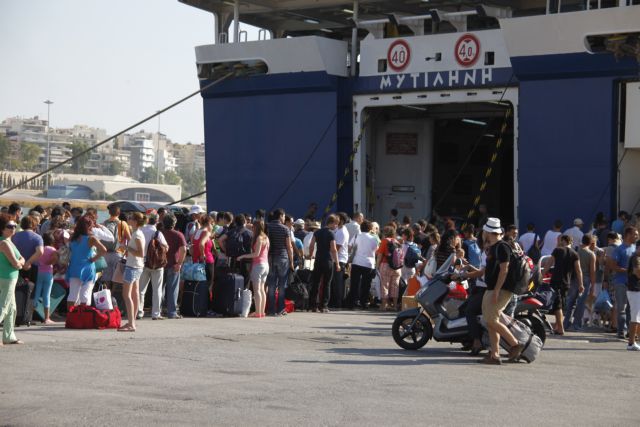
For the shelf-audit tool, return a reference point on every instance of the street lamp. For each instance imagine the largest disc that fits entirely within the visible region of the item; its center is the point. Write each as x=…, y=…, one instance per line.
x=48, y=102
x=158, y=154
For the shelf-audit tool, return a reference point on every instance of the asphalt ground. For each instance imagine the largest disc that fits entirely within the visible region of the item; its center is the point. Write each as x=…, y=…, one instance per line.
x=335, y=369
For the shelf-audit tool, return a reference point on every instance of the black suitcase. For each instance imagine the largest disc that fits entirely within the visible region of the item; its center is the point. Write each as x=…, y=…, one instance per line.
x=227, y=291
x=195, y=299
x=24, y=302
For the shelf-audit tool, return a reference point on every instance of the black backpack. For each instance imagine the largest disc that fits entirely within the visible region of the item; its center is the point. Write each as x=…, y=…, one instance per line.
x=235, y=244
x=534, y=251
x=519, y=276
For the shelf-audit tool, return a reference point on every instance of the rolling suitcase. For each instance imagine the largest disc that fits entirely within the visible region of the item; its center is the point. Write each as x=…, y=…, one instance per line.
x=58, y=294
x=227, y=294
x=195, y=299
x=24, y=302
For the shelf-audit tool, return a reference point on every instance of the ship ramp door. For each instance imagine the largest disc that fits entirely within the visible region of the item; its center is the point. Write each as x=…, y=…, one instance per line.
x=417, y=158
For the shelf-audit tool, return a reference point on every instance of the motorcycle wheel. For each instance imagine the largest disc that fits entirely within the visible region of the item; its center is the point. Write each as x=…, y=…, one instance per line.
x=412, y=338
x=536, y=325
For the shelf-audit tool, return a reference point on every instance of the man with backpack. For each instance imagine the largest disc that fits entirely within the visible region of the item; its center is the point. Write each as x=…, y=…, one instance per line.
x=389, y=262
x=499, y=292
x=530, y=243
x=236, y=242
x=566, y=264
x=412, y=255
x=155, y=254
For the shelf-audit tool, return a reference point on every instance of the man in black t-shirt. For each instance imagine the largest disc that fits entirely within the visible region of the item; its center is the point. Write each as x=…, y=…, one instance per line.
x=566, y=263
x=499, y=292
x=326, y=262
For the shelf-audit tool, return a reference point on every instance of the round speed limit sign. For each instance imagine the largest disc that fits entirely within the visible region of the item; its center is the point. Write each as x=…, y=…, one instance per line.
x=467, y=50
x=399, y=55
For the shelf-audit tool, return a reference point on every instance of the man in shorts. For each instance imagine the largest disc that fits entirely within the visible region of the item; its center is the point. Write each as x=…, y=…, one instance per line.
x=566, y=264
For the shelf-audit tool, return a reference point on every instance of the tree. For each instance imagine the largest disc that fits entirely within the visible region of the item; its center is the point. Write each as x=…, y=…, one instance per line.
x=172, y=178
x=5, y=151
x=77, y=147
x=29, y=155
x=193, y=181
x=115, y=168
x=148, y=175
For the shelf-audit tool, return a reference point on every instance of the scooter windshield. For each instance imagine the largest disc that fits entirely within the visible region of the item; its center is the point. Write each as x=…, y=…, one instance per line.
x=444, y=268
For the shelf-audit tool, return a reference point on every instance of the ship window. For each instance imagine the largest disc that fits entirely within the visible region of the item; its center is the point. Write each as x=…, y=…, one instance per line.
x=489, y=58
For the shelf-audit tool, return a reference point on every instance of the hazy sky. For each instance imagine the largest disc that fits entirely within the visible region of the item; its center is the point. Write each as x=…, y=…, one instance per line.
x=104, y=63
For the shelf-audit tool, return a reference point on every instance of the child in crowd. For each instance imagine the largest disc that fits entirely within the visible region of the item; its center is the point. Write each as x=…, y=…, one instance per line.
x=45, y=275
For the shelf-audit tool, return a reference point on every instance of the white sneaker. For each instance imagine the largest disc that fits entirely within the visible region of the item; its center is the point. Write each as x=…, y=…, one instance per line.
x=633, y=347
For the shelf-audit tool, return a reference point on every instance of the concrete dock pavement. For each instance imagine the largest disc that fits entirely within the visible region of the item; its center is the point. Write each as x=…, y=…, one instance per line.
x=340, y=368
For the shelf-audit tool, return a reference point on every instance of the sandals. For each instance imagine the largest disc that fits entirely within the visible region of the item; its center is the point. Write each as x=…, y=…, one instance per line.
x=13, y=342
x=127, y=328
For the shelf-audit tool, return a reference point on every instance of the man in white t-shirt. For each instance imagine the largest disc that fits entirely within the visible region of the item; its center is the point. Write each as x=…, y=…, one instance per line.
x=342, y=244
x=576, y=233
x=551, y=238
x=154, y=275
x=527, y=239
x=353, y=227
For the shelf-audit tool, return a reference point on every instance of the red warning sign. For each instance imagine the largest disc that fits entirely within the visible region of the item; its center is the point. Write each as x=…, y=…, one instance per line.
x=467, y=50
x=399, y=55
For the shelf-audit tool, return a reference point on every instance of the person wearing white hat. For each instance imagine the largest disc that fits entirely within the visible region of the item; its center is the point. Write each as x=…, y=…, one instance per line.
x=194, y=224
x=499, y=292
x=575, y=233
x=298, y=229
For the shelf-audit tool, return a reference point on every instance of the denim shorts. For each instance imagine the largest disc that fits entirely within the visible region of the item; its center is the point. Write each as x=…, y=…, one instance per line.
x=259, y=273
x=131, y=274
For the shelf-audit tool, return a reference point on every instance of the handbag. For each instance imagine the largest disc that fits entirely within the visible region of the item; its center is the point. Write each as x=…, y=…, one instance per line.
x=603, y=303
x=194, y=272
x=101, y=264
x=118, y=271
x=102, y=299
x=431, y=267
x=245, y=299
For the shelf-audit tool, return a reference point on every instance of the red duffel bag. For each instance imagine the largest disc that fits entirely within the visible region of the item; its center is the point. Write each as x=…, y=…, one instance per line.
x=114, y=318
x=87, y=317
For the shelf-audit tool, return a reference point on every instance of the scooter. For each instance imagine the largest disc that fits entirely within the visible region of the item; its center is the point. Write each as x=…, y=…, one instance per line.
x=433, y=319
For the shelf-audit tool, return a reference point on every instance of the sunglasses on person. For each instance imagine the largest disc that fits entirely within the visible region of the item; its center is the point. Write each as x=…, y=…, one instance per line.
x=11, y=226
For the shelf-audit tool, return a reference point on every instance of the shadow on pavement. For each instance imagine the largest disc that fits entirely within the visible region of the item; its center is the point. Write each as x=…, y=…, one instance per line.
x=390, y=357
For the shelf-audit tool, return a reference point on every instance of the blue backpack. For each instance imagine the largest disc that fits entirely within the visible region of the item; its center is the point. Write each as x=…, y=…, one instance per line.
x=412, y=256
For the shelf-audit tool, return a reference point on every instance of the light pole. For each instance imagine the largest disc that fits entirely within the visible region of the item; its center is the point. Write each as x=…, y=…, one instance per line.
x=48, y=102
x=158, y=154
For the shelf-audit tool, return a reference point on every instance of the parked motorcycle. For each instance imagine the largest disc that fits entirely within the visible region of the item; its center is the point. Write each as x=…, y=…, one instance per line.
x=434, y=319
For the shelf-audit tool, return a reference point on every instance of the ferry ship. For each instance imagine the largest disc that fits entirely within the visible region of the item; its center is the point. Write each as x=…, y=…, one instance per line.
x=531, y=108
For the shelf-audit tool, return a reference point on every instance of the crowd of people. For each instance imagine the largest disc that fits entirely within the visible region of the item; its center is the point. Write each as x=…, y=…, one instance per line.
x=268, y=249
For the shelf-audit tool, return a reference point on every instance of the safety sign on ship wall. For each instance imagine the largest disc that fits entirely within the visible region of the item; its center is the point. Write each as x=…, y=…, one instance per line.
x=399, y=55
x=467, y=50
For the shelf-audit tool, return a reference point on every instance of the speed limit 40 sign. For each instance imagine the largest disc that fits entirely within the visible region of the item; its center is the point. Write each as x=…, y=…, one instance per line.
x=467, y=50
x=399, y=55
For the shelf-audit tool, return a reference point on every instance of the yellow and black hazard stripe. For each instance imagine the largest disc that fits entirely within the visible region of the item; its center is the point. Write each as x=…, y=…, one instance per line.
x=489, y=171
x=347, y=169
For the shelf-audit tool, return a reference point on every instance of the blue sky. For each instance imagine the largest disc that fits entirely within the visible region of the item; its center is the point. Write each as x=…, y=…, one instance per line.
x=103, y=63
